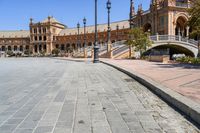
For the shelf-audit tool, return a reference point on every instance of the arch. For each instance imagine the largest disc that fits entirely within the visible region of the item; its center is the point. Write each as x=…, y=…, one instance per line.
x=68, y=45
x=9, y=48
x=90, y=44
x=57, y=46
x=36, y=48
x=21, y=48
x=62, y=47
x=181, y=47
x=181, y=26
x=40, y=47
x=3, y=48
x=171, y=50
x=68, y=48
x=185, y=15
x=15, y=48
x=74, y=46
x=45, y=47
x=147, y=28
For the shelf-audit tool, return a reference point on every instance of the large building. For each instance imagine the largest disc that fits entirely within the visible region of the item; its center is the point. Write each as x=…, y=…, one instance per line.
x=167, y=17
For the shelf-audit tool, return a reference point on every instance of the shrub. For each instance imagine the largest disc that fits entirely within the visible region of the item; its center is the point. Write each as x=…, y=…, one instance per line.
x=188, y=60
x=55, y=51
x=10, y=53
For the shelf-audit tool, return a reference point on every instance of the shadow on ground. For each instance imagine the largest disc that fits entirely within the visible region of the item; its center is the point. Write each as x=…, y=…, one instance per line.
x=184, y=66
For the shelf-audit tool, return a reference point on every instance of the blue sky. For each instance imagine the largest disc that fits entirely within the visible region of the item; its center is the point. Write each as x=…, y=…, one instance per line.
x=15, y=14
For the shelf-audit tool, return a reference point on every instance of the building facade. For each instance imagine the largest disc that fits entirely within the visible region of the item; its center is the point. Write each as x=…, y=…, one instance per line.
x=164, y=17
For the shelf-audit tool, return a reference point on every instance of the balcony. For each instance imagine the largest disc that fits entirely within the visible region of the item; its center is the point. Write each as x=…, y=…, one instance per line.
x=182, y=4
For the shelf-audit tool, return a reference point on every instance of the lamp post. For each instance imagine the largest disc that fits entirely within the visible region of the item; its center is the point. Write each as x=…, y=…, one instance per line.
x=78, y=39
x=108, y=36
x=131, y=15
x=117, y=27
x=85, y=48
x=109, y=44
x=96, y=47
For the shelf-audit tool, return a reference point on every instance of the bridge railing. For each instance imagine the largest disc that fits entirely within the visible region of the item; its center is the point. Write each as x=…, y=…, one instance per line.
x=158, y=38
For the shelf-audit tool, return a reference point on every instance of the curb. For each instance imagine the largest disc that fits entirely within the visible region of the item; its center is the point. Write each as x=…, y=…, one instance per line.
x=188, y=107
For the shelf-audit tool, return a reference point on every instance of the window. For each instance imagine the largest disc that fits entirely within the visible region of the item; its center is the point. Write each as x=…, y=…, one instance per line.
x=45, y=38
x=40, y=38
x=35, y=30
x=44, y=30
x=35, y=38
x=162, y=21
x=40, y=30
x=44, y=47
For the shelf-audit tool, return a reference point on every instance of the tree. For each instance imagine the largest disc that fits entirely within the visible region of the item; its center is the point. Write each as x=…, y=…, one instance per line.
x=194, y=21
x=139, y=40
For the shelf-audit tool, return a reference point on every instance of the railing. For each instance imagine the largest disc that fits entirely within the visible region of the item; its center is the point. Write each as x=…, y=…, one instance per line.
x=160, y=38
x=180, y=4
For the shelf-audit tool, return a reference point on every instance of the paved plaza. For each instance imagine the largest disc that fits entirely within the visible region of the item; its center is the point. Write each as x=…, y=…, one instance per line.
x=42, y=95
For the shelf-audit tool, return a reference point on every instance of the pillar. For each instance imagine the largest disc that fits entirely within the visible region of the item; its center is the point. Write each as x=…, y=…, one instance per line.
x=179, y=34
x=187, y=31
x=38, y=49
x=85, y=51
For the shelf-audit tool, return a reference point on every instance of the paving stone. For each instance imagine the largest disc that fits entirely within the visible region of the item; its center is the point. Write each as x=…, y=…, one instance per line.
x=7, y=128
x=45, y=129
x=23, y=131
x=79, y=97
x=14, y=121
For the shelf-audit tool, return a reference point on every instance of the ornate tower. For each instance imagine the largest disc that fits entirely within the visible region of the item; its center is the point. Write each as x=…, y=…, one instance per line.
x=43, y=34
x=132, y=14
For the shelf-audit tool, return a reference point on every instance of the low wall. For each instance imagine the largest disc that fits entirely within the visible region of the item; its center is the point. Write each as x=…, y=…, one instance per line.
x=159, y=58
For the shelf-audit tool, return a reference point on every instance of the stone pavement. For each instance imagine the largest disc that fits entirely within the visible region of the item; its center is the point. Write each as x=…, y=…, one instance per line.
x=41, y=95
x=184, y=79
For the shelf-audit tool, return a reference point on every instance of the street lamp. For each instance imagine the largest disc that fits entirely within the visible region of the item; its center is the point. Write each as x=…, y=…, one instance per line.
x=108, y=41
x=117, y=27
x=85, y=51
x=78, y=39
x=131, y=15
x=96, y=48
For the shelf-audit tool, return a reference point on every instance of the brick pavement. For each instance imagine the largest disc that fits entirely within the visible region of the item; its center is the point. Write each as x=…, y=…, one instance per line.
x=184, y=79
x=59, y=96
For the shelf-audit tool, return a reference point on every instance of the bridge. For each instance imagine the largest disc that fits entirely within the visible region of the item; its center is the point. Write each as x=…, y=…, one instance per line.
x=180, y=45
x=188, y=45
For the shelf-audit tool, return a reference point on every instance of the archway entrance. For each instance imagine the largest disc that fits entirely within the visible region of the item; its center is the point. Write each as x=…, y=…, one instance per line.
x=147, y=28
x=181, y=27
